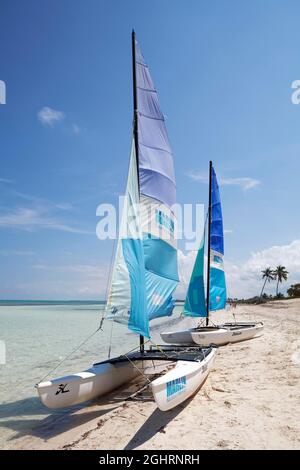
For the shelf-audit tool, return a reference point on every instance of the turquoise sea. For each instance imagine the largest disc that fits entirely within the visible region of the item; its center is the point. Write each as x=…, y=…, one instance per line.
x=37, y=336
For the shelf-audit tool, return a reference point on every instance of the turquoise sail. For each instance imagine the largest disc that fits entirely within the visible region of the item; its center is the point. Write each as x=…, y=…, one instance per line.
x=195, y=304
x=126, y=302
x=217, y=291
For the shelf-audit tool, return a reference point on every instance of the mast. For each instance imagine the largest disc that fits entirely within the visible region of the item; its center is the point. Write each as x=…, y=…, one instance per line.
x=135, y=132
x=208, y=246
x=135, y=106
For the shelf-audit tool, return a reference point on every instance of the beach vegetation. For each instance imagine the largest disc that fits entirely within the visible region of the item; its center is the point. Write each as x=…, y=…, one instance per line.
x=294, y=290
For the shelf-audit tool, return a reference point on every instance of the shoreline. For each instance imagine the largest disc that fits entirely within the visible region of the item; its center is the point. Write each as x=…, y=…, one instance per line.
x=249, y=401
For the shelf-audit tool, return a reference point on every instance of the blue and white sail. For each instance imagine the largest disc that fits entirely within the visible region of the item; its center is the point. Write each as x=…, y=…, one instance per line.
x=217, y=284
x=195, y=303
x=157, y=196
x=145, y=272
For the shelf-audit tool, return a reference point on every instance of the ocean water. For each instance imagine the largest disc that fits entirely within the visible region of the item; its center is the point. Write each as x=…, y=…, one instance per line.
x=37, y=336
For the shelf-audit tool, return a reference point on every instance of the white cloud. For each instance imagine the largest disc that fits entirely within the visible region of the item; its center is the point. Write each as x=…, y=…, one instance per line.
x=64, y=206
x=38, y=214
x=49, y=116
x=243, y=182
x=43, y=202
x=30, y=219
x=85, y=269
x=244, y=279
x=197, y=176
x=75, y=281
x=16, y=253
x=73, y=289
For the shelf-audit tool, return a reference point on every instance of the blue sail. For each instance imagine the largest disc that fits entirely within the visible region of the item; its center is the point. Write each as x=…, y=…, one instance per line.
x=195, y=304
x=156, y=168
x=158, y=194
x=217, y=291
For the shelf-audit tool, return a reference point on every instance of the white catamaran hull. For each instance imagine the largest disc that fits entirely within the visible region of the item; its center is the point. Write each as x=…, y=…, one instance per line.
x=208, y=336
x=87, y=385
x=181, y=382
x=172, y=388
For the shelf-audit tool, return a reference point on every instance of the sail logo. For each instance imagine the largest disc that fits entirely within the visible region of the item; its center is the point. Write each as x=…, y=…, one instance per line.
x=217, y=259
x=2, y=92
x=176, y=387
x=165, y=221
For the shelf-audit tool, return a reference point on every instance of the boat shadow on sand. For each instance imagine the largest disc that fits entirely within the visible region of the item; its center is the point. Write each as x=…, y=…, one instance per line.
x=29, y=422
x=154, y=424
x=157, y=421
x=25, y=417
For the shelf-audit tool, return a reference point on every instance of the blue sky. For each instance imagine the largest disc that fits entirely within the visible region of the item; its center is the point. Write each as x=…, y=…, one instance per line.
x=223, y=71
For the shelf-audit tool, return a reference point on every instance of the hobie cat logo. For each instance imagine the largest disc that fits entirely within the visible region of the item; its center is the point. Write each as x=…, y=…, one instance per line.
x=2, y=92
x=62, y=389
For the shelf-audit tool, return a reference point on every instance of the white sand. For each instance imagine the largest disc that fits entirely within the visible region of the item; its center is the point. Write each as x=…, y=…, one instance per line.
x=251, y=400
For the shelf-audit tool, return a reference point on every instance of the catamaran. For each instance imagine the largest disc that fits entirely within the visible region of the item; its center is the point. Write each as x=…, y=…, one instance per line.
x=195, y=303
x=145, y=272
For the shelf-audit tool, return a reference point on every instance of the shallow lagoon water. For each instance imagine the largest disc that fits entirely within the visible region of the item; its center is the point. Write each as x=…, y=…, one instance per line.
x=37, y=337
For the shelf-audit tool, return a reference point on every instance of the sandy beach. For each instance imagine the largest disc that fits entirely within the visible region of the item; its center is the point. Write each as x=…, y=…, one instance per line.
x=251, y=400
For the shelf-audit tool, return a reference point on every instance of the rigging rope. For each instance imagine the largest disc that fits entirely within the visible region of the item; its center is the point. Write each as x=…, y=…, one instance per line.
x=137, y=368
x=132, y=362
x=69, y=355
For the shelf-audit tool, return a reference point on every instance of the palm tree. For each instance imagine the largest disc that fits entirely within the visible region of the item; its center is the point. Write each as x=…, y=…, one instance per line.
x=281, y=274
x=267, y=275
